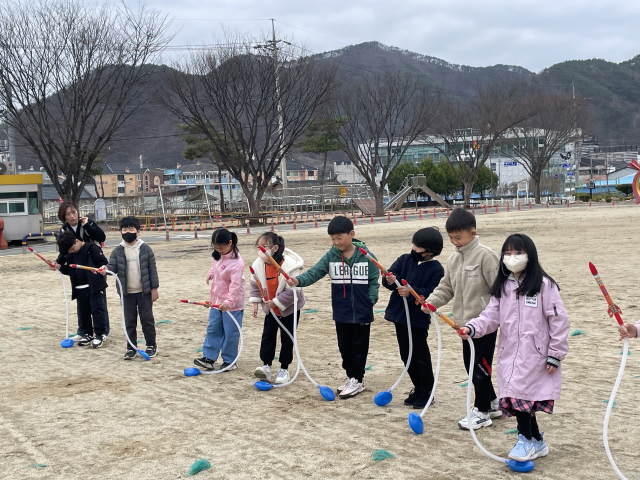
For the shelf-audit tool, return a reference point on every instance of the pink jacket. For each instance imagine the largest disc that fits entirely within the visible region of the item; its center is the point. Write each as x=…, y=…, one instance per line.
x=228, y=283
x=638, y=329
x=531, y=329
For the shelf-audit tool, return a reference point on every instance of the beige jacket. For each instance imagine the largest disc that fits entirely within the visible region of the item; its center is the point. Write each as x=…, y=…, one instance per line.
x=468, y=278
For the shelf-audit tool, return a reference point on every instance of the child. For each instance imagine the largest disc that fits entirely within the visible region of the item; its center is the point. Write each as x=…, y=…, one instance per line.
x=280, y=300
x=227, y=290
x=423, y=274
x=134, y=263
x=354, y=292
x=526, y=306
x=468, y=277
x=87, y=288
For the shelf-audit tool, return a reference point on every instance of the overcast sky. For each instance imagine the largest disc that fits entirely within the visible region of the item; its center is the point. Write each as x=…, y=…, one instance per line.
x=532, y=34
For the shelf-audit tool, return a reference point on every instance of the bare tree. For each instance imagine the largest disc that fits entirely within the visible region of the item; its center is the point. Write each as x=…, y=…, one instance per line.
x=558, y=121
x=385, y=114
x=71, y=76
x=253, y=108
x=468, y=128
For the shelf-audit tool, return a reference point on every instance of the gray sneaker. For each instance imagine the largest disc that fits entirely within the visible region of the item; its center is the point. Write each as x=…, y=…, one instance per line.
x=495, y=411
x=86, y=340
x=263, y=372
x=130, y=355
x=225, y=365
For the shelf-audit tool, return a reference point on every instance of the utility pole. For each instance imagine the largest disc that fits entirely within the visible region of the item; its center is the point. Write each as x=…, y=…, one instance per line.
x=142, y=209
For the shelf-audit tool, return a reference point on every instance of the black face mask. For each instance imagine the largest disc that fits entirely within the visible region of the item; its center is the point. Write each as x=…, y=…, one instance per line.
x=129, y=237
x=417, y=256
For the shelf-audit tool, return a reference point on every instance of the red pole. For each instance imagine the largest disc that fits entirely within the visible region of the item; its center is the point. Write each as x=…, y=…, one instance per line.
x=485, y=210
x=388, y=217
x=547, y=203
x=420, y=214
x=447, y=211
x=195, y=233
x=248, y=230
x=497, y=211
x=530, y=205
x=434, y=212
x=613, y=202
x=405, y=214
x=590, y=202
x=372, y=218
x=355, y=220
x=518, y=206
x=166, y=238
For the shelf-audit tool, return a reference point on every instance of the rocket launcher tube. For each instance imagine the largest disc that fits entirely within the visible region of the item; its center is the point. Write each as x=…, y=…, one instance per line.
x=614, y=310
x=204, y=304
x=443, y=317
x=48, y=262
x=263, y=294
x=374, y=261
x=273, y=262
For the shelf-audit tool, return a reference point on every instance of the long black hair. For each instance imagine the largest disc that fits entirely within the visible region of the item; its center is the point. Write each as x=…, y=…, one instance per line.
x=222, y=236
x=274, y=239
x=533, y=273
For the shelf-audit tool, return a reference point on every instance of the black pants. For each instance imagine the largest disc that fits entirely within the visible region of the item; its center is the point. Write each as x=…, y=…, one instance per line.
x=135, y=303
x=270, y=336
x=420, y=370
x=92, y=314
x=528, y=425
x=80, y=330
x=484, y=346
x=353, y=342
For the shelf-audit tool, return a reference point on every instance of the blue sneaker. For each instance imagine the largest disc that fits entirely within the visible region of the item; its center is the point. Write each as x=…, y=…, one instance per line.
x=523, y=449
x=541, y=448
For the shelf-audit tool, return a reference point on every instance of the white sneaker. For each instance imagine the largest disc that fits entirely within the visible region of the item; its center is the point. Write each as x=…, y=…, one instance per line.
x=495, y=411
x=263, y=372
x=478, y=420
x=283, y=376
x=343, y=386
x=77, y=338
x=98, y=340
x=353, y=388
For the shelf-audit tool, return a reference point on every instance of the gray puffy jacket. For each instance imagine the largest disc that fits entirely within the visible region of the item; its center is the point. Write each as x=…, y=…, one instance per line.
x=149, y=272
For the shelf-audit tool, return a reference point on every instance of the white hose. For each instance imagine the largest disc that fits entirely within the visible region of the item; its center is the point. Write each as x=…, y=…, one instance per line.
x=469, y=384
x=612, y=400
x=295, y=343
x=293, y=337
x=66, y=302
x=124, y=323
x=435, y=379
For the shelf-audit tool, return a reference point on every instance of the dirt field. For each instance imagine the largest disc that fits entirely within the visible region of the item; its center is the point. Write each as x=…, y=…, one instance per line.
x=86, y=413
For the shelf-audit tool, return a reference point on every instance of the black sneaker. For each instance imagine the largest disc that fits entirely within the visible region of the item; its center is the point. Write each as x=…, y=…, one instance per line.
x=422, y=399
x=413, y=395
x=98, y=340
x=151, y=350
x=130, y=355
x=87, y=339
x=205, y=363
x=225, y=365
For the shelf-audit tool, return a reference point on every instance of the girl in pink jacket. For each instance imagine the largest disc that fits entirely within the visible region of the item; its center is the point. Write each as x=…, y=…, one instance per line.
x=534, y=325
x=227, y=290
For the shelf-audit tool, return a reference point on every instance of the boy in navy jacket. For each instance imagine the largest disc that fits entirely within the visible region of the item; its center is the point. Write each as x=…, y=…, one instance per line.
x=423, y=273
x=354, y=292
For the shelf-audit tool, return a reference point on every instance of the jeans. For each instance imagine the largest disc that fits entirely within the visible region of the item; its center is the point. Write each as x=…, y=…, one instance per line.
x=91, y=311
x=222, y=335
x=134, y=304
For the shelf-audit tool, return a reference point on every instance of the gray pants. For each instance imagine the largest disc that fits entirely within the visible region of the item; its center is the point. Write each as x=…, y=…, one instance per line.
x=139, y=303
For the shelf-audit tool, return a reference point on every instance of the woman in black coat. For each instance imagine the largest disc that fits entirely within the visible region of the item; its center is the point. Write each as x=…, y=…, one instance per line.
x=423, y=273
x=85, y=230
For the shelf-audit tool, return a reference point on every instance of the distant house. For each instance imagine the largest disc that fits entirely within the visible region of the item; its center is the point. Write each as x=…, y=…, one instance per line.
x=124, y=179
x=298, y=171
x=205, y=174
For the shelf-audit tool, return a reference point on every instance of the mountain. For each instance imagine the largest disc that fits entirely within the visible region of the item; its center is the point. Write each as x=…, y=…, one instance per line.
x=613, y=89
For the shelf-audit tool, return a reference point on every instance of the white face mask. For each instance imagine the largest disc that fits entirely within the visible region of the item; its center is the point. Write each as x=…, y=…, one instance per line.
x=516, y=263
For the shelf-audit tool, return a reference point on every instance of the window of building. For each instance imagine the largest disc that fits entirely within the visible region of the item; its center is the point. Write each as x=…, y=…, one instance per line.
x=33, y=203
x=121, y=189
x=138, y=177
x=13, y=207
x=121, y=178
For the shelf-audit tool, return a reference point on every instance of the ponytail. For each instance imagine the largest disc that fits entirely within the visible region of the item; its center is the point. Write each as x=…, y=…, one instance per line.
x=222, y=236
x=274, y=239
